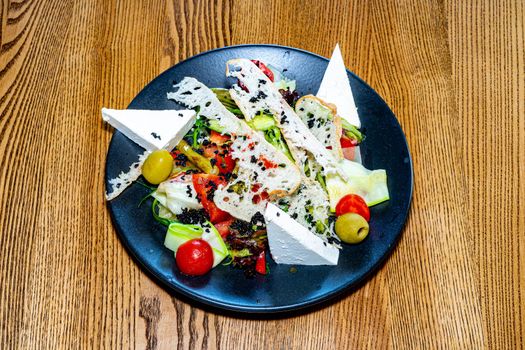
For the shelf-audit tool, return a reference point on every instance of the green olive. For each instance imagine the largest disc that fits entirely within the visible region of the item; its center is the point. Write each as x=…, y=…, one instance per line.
x=351, y=228
x=157, y=167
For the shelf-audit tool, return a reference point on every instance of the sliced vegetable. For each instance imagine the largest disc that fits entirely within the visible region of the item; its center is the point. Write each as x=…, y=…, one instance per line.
x=349, y=153
x=181, y=163
x=264, y=69
x=225, y=162
x=195, y=257
x=157, y=167
x=280, y=78
x=272, y=133
x=177, y=194
x=351, y=131
x=274, y=137
x=351, y=228
x=371, y=185
x=179, y=234
x=211, y=235
x=262, y=122
x=224, y=227
x=200, y=161
x=347, y=142
x=218, y=138
x=160, y=213
x=220, y=157
x=214, y=125
x=352, y=203
x=205, y=185
x=285, y=84
x=321, y=179
x=260, y=264
x=224, y=97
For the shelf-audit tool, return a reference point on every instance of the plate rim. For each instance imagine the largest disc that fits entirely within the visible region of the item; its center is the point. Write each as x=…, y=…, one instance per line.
x=186, y=292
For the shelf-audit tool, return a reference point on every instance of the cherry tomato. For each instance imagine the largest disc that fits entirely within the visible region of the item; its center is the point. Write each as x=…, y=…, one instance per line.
x=260, y=264
x=352, y=203
x=204, y=184
x=347, y=142
x=349, y=153
x=264, y=69
x=224, y=227
x=194, y=257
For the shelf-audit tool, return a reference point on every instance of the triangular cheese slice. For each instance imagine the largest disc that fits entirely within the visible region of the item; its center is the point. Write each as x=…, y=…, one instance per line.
x=293, y=244
x=152, y=130
x=335, y=88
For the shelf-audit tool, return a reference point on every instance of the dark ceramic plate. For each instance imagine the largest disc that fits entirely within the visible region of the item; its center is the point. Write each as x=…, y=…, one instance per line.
x=282, y=290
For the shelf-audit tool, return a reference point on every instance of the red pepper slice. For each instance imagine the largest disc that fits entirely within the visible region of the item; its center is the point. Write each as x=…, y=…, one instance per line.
x=223, y=159
x=218, y=138
x=260, y=264
x=204, y=184
x=224, y=227
x=268, y=164
x=264, y=69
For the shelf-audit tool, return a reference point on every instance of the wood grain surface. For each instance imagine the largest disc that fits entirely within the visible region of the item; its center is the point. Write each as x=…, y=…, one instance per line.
x=453, y=73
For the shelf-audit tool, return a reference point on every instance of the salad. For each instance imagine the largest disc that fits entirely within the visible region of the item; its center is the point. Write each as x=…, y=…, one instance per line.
x=255, y=171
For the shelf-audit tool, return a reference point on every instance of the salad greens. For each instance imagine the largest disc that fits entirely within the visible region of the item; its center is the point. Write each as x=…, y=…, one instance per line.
x=272, y=133
x=187, y=211
x=224, y=96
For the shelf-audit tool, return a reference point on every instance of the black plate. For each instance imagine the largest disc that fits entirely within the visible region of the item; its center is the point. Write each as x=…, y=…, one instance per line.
x=282, y=290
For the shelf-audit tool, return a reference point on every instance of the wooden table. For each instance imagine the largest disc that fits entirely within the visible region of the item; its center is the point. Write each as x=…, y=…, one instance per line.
x=453, y=73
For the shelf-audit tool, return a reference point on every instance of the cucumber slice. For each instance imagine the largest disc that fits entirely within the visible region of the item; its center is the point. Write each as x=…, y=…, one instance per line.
x=215, y=126
x=179, y=234
x=213, y=237
x=262, y=122
x=369, y=184
x=285, y=84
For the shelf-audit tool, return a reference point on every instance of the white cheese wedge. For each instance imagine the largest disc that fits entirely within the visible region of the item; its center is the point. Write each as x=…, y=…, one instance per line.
x=335, y=88
x=152, y=130
x=293, y=244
